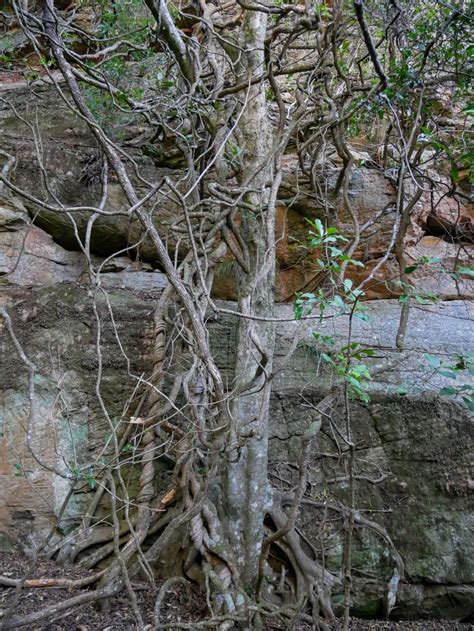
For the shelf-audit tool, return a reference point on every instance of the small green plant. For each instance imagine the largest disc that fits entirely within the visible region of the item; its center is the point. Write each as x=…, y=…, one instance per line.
x=20, y=471
x=340, y=299
x=321, y=9
x=343, y=299
x=357, y=375
x=84, y=474
x=464, y=366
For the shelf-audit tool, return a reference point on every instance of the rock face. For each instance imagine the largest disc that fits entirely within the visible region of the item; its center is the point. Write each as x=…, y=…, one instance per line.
x=54, y=319
x=68, y=162
x=413, y=453
x=442, y=226
x=413, y=467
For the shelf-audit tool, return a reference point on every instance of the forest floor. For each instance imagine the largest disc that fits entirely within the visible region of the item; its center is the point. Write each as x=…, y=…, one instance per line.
x=117, y=615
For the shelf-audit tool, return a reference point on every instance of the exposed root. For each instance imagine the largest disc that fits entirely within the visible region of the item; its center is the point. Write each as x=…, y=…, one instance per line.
x=162, y=593
x=144, y=514
x=363, y=521
x=314, y=579
x=219, y=621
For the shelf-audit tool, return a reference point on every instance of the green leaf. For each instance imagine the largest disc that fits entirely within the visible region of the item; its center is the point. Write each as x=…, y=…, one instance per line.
x=448, y=373
x=426, y=299
x=317, y=224
x=467, y=271
x=338, y=302
x=361, y=371
x=447, y=392
x=410, y=269
x=353, y=381
x=91, y=482
x=469, y=401
x=433, y=361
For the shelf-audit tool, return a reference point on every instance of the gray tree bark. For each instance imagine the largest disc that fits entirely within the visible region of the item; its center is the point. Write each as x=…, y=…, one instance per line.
x=247, y=488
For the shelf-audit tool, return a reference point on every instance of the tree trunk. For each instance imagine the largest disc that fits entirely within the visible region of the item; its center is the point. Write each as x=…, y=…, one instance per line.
x=247, y=489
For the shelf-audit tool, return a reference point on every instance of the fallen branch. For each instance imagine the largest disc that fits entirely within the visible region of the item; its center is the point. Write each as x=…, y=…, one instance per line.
x=65, y=583
x=295, y=506
x=64, y=605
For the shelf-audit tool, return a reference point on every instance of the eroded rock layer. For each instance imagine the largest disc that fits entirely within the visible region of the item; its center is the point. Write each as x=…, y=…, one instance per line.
x=414, y=460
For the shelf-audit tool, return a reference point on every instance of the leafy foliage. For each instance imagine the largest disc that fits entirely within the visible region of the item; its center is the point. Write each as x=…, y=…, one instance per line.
x=464, y=367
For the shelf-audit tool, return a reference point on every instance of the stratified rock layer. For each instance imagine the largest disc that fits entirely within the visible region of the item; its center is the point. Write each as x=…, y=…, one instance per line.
x=442, y=226
x=413, y=453
x=414, y=471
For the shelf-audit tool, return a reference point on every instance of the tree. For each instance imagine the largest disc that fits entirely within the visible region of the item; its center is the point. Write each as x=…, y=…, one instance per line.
x=231, y=87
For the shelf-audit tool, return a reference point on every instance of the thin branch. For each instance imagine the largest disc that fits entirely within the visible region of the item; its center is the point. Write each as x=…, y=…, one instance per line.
x=359, y=11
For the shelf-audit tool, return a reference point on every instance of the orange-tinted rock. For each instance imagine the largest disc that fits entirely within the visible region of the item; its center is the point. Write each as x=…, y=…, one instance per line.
x=281, y=235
